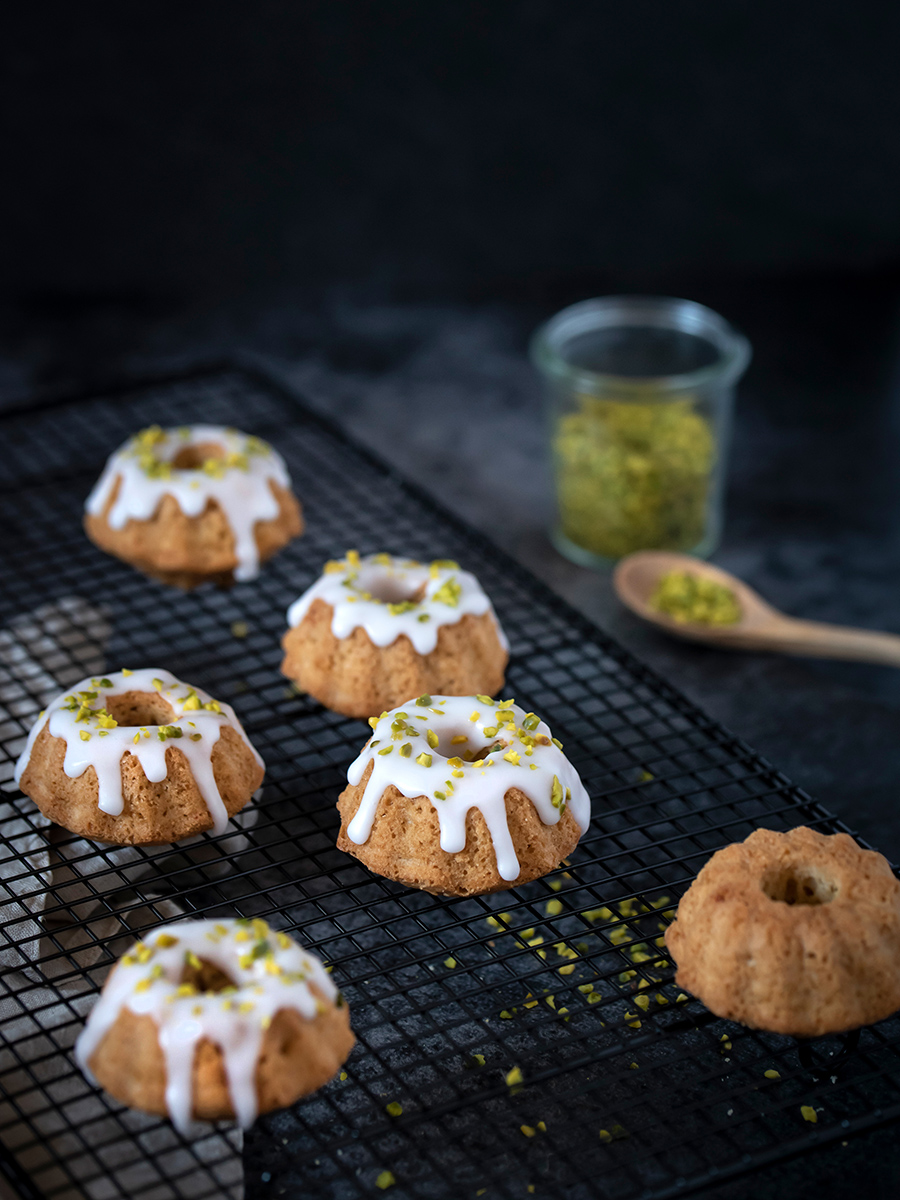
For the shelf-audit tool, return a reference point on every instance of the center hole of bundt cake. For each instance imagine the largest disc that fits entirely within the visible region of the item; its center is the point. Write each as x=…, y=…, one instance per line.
x=206, y=977
x=388, y=588
x=464, y=746
x=192, y=458
x=139, y=708
x=799, y=885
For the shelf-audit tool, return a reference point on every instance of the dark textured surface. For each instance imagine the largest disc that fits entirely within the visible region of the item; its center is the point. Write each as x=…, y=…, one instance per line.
x=813, y=519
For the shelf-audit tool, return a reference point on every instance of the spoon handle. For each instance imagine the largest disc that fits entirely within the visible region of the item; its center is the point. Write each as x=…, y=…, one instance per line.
x=817, y=640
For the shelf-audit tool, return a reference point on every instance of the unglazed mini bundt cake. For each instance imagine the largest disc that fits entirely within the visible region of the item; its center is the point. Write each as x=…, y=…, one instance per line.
x=215, y=1020
x=138, y=758
x=797, y=933
x=460, y=796
x=191, y=505
x=373, y=632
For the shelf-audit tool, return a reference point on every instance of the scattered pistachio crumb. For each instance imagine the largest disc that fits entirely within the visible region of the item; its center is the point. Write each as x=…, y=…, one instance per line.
x=514, y=1077
x=772, y=1074
x=553, y=908
x=809, y=1113
x=394, y=1109
x=385, y=1180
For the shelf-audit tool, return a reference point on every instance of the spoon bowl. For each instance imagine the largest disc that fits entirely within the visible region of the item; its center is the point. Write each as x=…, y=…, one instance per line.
x=760, y=627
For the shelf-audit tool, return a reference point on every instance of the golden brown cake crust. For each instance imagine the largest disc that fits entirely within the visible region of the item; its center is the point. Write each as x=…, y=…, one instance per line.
x=153, y=813
x=297, y=1056
x=404, y=844
x=187, y=551
x=802, y=967
x=355, y=677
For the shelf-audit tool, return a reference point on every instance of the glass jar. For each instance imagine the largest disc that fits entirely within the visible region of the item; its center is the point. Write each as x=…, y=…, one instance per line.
x=639, y=394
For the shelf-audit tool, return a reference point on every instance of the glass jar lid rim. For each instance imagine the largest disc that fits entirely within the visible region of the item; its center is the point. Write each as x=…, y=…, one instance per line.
x=661, y=312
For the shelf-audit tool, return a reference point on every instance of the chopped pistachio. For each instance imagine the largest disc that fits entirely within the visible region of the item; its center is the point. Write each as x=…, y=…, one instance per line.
x=557, y=796
x=689, y=598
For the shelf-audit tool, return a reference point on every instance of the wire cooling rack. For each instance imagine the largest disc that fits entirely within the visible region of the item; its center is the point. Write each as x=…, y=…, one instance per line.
x=534, y=1042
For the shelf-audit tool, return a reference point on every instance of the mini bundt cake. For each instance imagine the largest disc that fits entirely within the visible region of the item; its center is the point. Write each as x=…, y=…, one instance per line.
x=215, y=1020
x=459, y=795
x=191, y=505
x=374, y=632
x=797, y=933
x=138, y=758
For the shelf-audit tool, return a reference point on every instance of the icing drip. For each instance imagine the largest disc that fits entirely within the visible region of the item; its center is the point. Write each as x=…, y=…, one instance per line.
x=269, y=971
x=94, y=739
x=466, y=752
x=240, y=483
x=389, y=596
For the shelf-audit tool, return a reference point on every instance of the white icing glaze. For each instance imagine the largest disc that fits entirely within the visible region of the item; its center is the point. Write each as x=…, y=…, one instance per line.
x=389, y=596
x=240, y=484
x=413, y=748
x=270, y=972
x=93, y=739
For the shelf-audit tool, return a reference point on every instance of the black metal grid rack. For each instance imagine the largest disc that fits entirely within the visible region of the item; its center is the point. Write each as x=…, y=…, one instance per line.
x=534, y=1040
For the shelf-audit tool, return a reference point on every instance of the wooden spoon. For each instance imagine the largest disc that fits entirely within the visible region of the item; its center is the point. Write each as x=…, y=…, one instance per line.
x=761, y=627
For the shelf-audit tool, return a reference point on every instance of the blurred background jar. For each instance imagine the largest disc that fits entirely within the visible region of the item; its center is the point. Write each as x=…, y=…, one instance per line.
x=640, y=392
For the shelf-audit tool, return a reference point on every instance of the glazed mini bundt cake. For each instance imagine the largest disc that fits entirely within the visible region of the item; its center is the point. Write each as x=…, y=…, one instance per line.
x=373, y=632
x=138, y=758
x=193, y=505
x=797, y=933
x=215, y=1020
x=460, y=796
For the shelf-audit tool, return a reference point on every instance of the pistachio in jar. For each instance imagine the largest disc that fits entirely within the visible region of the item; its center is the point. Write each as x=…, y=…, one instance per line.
x=633, y=474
